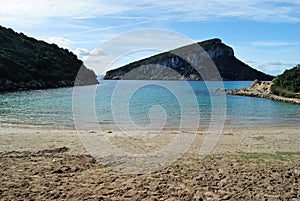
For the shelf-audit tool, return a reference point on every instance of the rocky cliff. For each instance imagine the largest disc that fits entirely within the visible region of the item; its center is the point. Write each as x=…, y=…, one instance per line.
x=26, y=63
x=186, y=62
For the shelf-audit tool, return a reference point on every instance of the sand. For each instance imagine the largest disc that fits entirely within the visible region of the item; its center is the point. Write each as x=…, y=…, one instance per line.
x=48, y=163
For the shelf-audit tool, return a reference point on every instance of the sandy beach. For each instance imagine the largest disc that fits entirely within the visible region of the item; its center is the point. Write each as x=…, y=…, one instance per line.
x=43, y=163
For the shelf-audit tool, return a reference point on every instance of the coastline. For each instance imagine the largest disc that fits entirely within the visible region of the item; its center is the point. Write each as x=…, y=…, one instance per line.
x=246, y=164
x=233, y=140
x=261, y=90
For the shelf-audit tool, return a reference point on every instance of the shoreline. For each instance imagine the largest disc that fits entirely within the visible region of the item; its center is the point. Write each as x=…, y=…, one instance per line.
x=246, y=92
x=240, y=139
x=111, y=125
x=262, y=90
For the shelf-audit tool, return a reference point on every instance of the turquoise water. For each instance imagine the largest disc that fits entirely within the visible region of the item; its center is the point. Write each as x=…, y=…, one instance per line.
x=143, y=101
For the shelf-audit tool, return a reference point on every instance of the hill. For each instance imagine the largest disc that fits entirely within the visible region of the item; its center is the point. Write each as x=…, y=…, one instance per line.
x=180, y=63
x=27, y=63
x=288, y=83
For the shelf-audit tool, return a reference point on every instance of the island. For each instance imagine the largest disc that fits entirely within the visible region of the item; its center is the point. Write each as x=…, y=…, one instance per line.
x=184, y=60
x=27, y=63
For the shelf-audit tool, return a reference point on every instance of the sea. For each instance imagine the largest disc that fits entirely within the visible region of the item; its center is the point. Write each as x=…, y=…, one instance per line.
x=144, y=104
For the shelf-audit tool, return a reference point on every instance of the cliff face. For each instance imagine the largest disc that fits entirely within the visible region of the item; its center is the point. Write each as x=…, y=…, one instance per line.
x=183, y=61
x=26, y=63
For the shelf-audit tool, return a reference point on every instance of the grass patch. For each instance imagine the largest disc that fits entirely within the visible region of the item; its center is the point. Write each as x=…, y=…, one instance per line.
x=283, y=156
x=283, y=92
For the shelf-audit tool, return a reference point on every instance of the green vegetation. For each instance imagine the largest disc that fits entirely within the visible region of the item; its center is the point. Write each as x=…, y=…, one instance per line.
x=284, y=156
x=293, y=157
x=26, y=63
x=288, y=83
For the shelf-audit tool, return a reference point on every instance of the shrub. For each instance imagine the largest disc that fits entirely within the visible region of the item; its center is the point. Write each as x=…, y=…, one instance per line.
x=288, y=83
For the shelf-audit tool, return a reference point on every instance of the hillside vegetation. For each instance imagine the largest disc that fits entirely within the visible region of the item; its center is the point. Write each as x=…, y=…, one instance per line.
x=288, y=83
x=26, y=63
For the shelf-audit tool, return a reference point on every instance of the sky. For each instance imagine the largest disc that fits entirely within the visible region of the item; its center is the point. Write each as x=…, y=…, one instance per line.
x=264, y=34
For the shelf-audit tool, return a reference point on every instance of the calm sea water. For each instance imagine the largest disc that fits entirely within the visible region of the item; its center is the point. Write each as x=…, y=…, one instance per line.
x=139, y=102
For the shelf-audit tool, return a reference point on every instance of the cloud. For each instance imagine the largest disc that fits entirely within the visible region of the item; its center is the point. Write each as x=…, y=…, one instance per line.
x=273, y=67
x=99, y=60
x=275, y=63
x=53, y=8
x=61, y=42
x=250, y=62
x=75, y=21
x=275, y=43
x=131, y=46
x=81, y=52
x=35, y=11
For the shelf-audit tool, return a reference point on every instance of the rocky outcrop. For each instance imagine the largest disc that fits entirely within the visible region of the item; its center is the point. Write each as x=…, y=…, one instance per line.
x=8, y=85
x=181, y=64
x=261, y=90
x=26, y=63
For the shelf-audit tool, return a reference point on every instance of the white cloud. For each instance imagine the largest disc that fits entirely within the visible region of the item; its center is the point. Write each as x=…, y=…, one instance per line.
x=150, y=10
x=99, y=61
x=269, y=59
x=275, y=63
x=272, y=67
x=132, y=46
x=62, y=42
x=76, y=19
x=81, y=52
x=18, y=13
x=275, y=43
x=58, y=8
x=250, y=62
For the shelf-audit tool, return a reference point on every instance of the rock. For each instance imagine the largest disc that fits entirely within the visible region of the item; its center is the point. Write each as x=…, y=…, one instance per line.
x=198, y=195
x=62, y=83
x=8, y=85
x=21, y=85
x=253, y=85
x=220, y=90
x=270, y=188
x=261, y=90
x=226, y=197
x=297, y=172
x=209, y=194
x=58, y=171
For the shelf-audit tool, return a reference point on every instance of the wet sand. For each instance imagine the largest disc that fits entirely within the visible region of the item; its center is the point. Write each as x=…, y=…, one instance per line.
x=43, y=163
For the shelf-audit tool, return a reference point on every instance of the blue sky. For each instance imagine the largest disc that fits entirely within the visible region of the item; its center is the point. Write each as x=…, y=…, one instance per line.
x=264, y=34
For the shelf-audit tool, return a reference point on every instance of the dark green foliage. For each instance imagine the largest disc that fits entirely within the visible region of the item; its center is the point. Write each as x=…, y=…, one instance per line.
x=24, y=59
x=288, y=83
